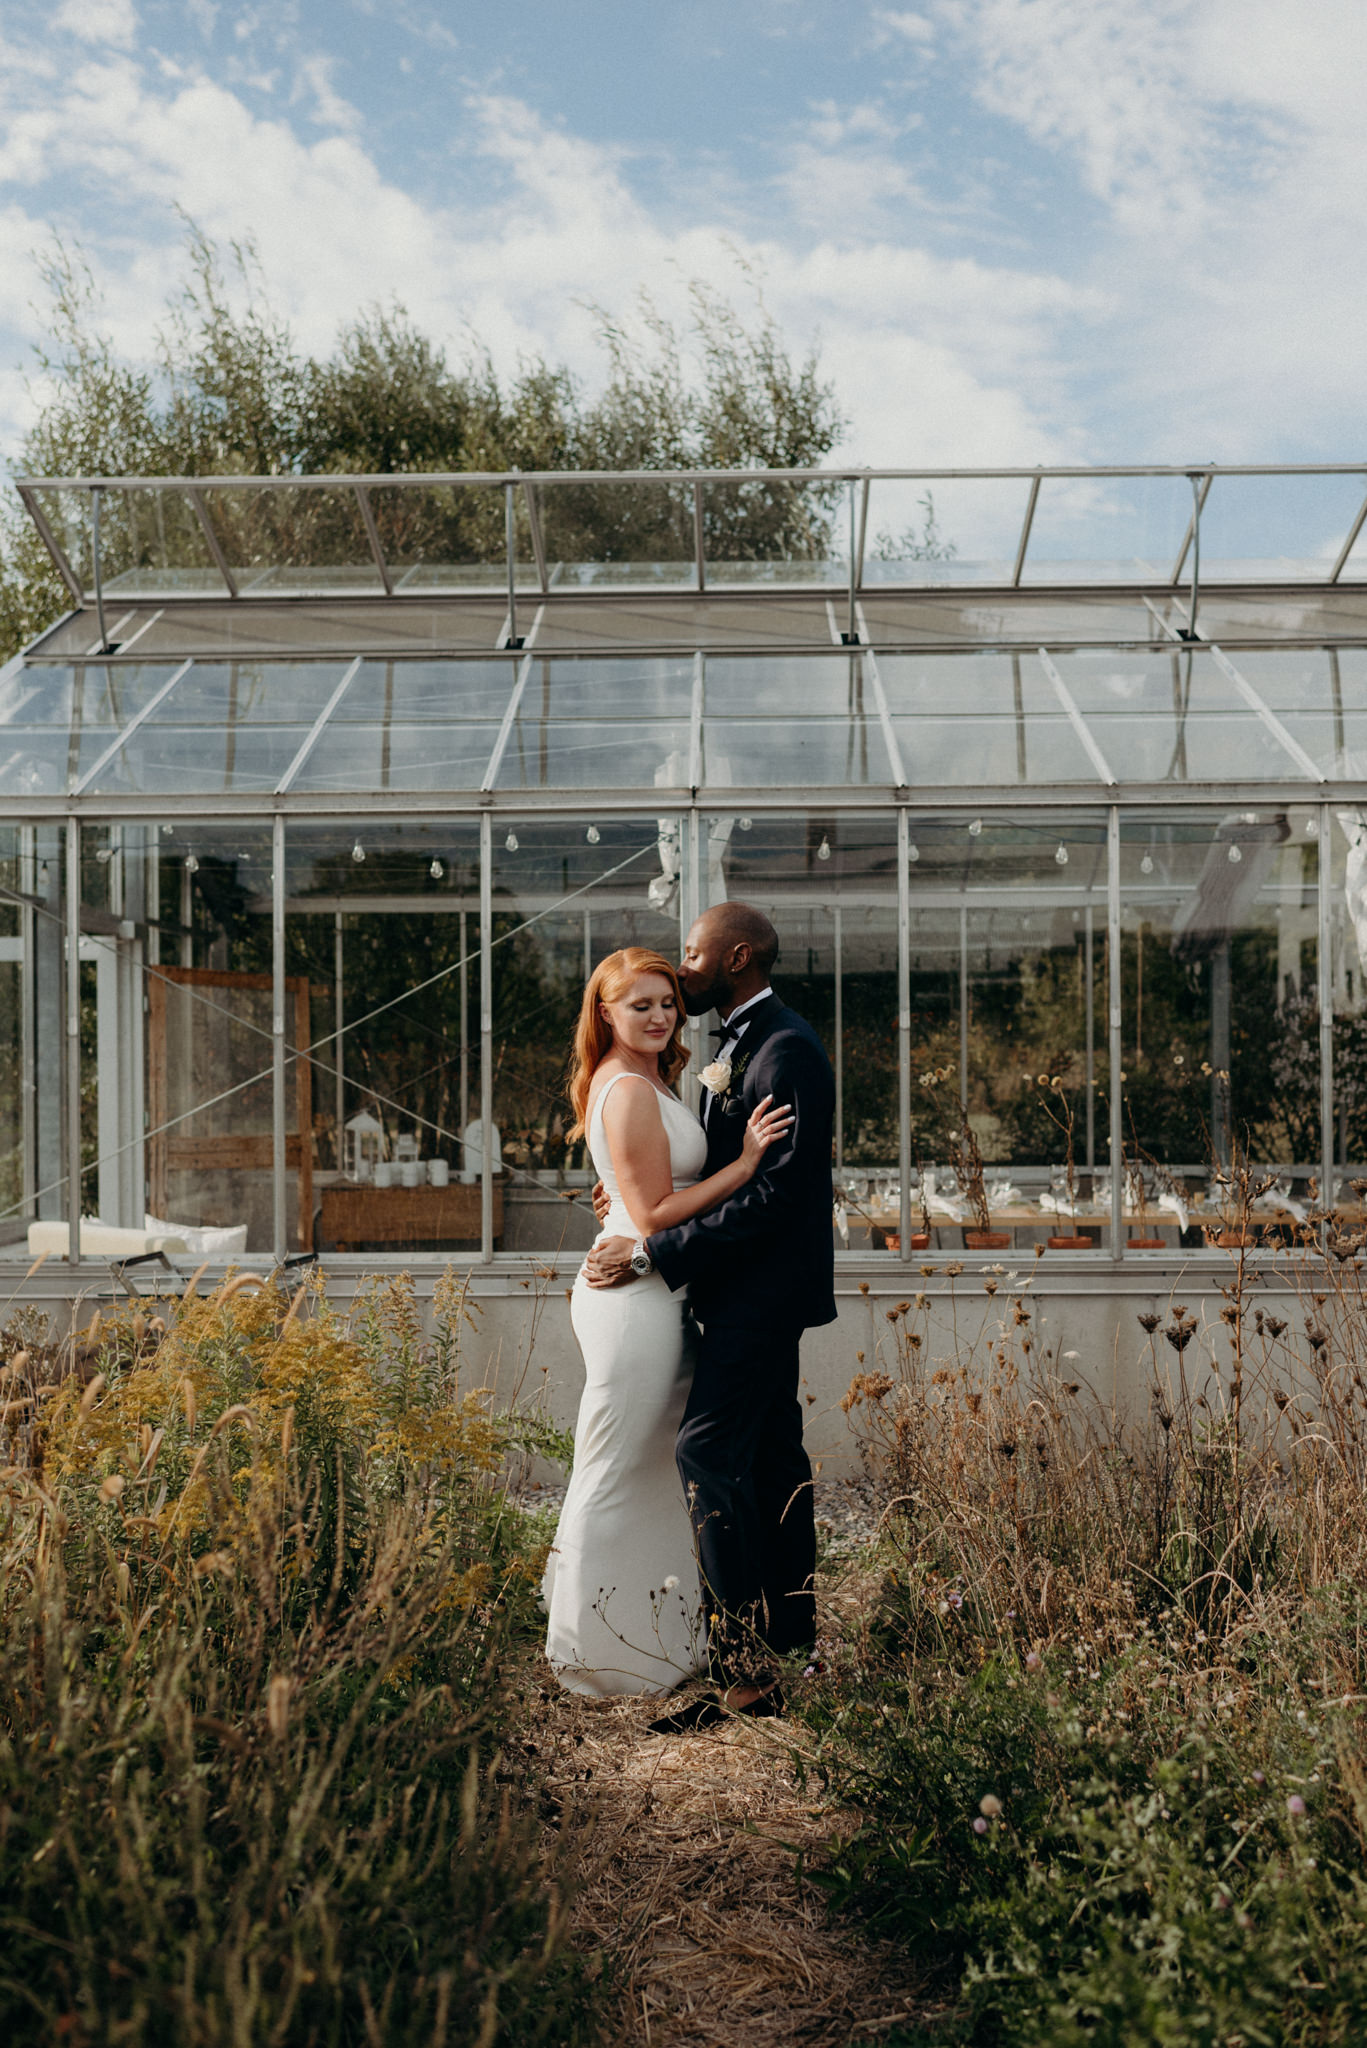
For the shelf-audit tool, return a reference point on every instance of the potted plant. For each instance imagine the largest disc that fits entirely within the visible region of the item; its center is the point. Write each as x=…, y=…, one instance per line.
x=967, y=1160
x=1058, y=1107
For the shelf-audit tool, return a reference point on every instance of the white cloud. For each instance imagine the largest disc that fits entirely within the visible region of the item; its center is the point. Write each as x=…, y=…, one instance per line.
x=98, y=21
x=895, y=21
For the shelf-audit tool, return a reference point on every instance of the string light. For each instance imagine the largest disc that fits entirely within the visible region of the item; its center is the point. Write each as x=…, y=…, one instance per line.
x=1235, y=856
x=975, y=830
x=191, y=864
x=358, y=852
x=823, y=852
x=1312, y=828
x=593, y=835
x=436, y=871
x=43, y=874
x=104, y=855
x=1061, y=856
x=1146, y=865
x=511, y=842
x=745, y=823
x=913, y=851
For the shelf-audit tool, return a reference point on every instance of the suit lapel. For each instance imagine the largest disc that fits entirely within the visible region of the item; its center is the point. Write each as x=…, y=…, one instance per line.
x=759, y=1022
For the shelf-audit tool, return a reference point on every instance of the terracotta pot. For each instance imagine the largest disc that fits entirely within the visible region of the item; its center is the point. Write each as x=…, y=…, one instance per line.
x=986, y=1240
x=1145, y=1244
x=919, y=1241
x=1072, y=1244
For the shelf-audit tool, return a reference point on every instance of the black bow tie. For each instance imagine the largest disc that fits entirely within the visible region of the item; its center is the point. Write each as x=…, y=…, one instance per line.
x=725, y=1031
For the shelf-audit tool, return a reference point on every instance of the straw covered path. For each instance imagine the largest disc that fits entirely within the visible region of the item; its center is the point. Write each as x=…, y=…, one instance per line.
x=691, y=1902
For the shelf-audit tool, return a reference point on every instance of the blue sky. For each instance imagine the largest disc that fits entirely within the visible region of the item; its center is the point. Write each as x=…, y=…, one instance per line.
x=1020, y=230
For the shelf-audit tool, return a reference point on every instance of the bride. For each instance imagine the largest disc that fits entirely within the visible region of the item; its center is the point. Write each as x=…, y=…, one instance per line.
x=621, y=1584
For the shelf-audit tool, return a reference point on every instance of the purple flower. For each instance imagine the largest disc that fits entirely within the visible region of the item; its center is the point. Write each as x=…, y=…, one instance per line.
x=955, y=1599
x=980, y=1826
x=1258, y=1778
x=1295, y=1804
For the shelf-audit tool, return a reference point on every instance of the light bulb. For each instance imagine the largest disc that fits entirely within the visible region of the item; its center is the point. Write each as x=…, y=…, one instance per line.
x=1061, y=855
x=1146, y=865
x=358, y=852
x=593, y=835
x=104, y=855
x=823, y=852
x=43, y=874
x=167, y=830
x=1312, y=828
x=1235, y=856
x=975, y=830
x=745, y=823
x=191, y=864
x=436, y=871
x=913, y=851
x=511, y=842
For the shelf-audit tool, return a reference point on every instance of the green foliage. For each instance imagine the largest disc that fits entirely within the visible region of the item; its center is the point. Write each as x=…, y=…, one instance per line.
x=262, y=1597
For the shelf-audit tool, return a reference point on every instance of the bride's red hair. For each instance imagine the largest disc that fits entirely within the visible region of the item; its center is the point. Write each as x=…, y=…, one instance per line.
x=608, y=983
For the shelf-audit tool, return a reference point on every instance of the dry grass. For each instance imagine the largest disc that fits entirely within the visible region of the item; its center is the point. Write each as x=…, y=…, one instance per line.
x=692, y=1894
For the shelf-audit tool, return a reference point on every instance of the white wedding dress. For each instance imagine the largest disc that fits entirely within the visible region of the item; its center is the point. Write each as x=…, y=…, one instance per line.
x=621, y=1583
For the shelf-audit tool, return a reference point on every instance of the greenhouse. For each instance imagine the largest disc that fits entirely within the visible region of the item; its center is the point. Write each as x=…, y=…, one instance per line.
x=327, y=793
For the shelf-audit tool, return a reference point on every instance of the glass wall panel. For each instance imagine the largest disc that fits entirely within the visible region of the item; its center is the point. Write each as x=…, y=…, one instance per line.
x=973, y=719
x=411, y=725
x=829, y=883
x=293, y=538
x=942, y=531
x=1112, y=529
x=1172, y=717
x=382, y=931
x=566, y=891
x=15, y=1107
x=1220, y=1008
x=1346, y=864
x=1008, y=1018
x=1276, y=528
x=616, y=534
x=231, y=725
x=770, y=530
x=596, y=724
x=152, y=543
x=804, y=720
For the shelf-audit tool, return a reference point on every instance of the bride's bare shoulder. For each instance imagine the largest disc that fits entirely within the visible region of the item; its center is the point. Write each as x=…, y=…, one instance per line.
x=626, y=1108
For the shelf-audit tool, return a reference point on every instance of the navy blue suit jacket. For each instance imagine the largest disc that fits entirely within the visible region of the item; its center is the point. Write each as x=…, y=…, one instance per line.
x=766, y=1254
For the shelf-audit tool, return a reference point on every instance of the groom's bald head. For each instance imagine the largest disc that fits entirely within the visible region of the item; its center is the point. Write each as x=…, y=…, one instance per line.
x=728, y=957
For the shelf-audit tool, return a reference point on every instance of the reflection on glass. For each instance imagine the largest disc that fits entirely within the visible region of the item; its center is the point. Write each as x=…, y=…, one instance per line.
x=601, y=725
x=1172, y=717
x=943, y=531
x=444, y=536
x=616, y=534
x=382, y=924
x=55, y=723
x=1107, y=530
x=802, y=720
x=1220, y=1012
x=973, y=719
x=1320, y=696
x=773, y=530
x=566, y=893
x=1008, y=1015
x=292, y=538
x=1282, y=529
x=411, y=725
x=224, y=726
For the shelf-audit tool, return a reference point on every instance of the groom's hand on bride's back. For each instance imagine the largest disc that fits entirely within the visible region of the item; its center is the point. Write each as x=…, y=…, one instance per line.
x=602, y=1201
x=609, y=1263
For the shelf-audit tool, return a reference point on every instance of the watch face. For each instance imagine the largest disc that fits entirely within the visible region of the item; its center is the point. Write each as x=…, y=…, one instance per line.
x=641, y=1263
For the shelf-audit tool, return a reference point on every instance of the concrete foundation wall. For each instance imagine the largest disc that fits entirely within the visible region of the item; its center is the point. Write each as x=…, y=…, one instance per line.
x=1084, y=1323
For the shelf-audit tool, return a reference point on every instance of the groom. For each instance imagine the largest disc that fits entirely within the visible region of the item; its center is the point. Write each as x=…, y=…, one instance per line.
x=760, y=1270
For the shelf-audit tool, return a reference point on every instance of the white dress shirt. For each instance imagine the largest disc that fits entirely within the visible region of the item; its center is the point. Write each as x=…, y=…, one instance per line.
x=735, y=1027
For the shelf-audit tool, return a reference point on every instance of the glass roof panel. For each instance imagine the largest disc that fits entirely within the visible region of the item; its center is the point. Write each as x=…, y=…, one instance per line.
x=151, y=541
x=588, y=753
x=1277, y=528
x=941, y=531
x=1107, y=529
x=426, y=692
x=354, y=755
x=446, y=536
x=292, y=538
x=1172, y=717
x=616, y=533
x=790, y=720
x=225, y=726
x=639, y=687
x=770, y=530
x=56, y=722
x=965, y=720
x=1320, y=696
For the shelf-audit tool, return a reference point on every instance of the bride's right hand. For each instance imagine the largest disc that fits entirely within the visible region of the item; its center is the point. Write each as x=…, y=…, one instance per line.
x=763, y=1127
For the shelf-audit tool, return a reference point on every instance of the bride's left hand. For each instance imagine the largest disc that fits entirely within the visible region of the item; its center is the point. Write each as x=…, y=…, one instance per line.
x=763, y=1127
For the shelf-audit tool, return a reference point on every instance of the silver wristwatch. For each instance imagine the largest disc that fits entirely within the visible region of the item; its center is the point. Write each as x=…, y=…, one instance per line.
x=641, y=1261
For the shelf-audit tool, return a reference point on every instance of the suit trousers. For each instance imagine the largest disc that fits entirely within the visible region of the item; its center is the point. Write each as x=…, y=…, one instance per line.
x=748, y=1484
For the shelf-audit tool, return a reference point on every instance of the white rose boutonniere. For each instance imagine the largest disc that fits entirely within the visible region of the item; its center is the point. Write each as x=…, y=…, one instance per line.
x=716, y=1077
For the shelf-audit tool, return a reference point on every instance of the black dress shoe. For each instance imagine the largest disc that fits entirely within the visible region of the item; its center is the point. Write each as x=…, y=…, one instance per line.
x=710, y=1713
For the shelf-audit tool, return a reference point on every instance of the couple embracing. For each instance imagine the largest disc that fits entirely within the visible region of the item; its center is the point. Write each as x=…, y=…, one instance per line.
x=687, y=1538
